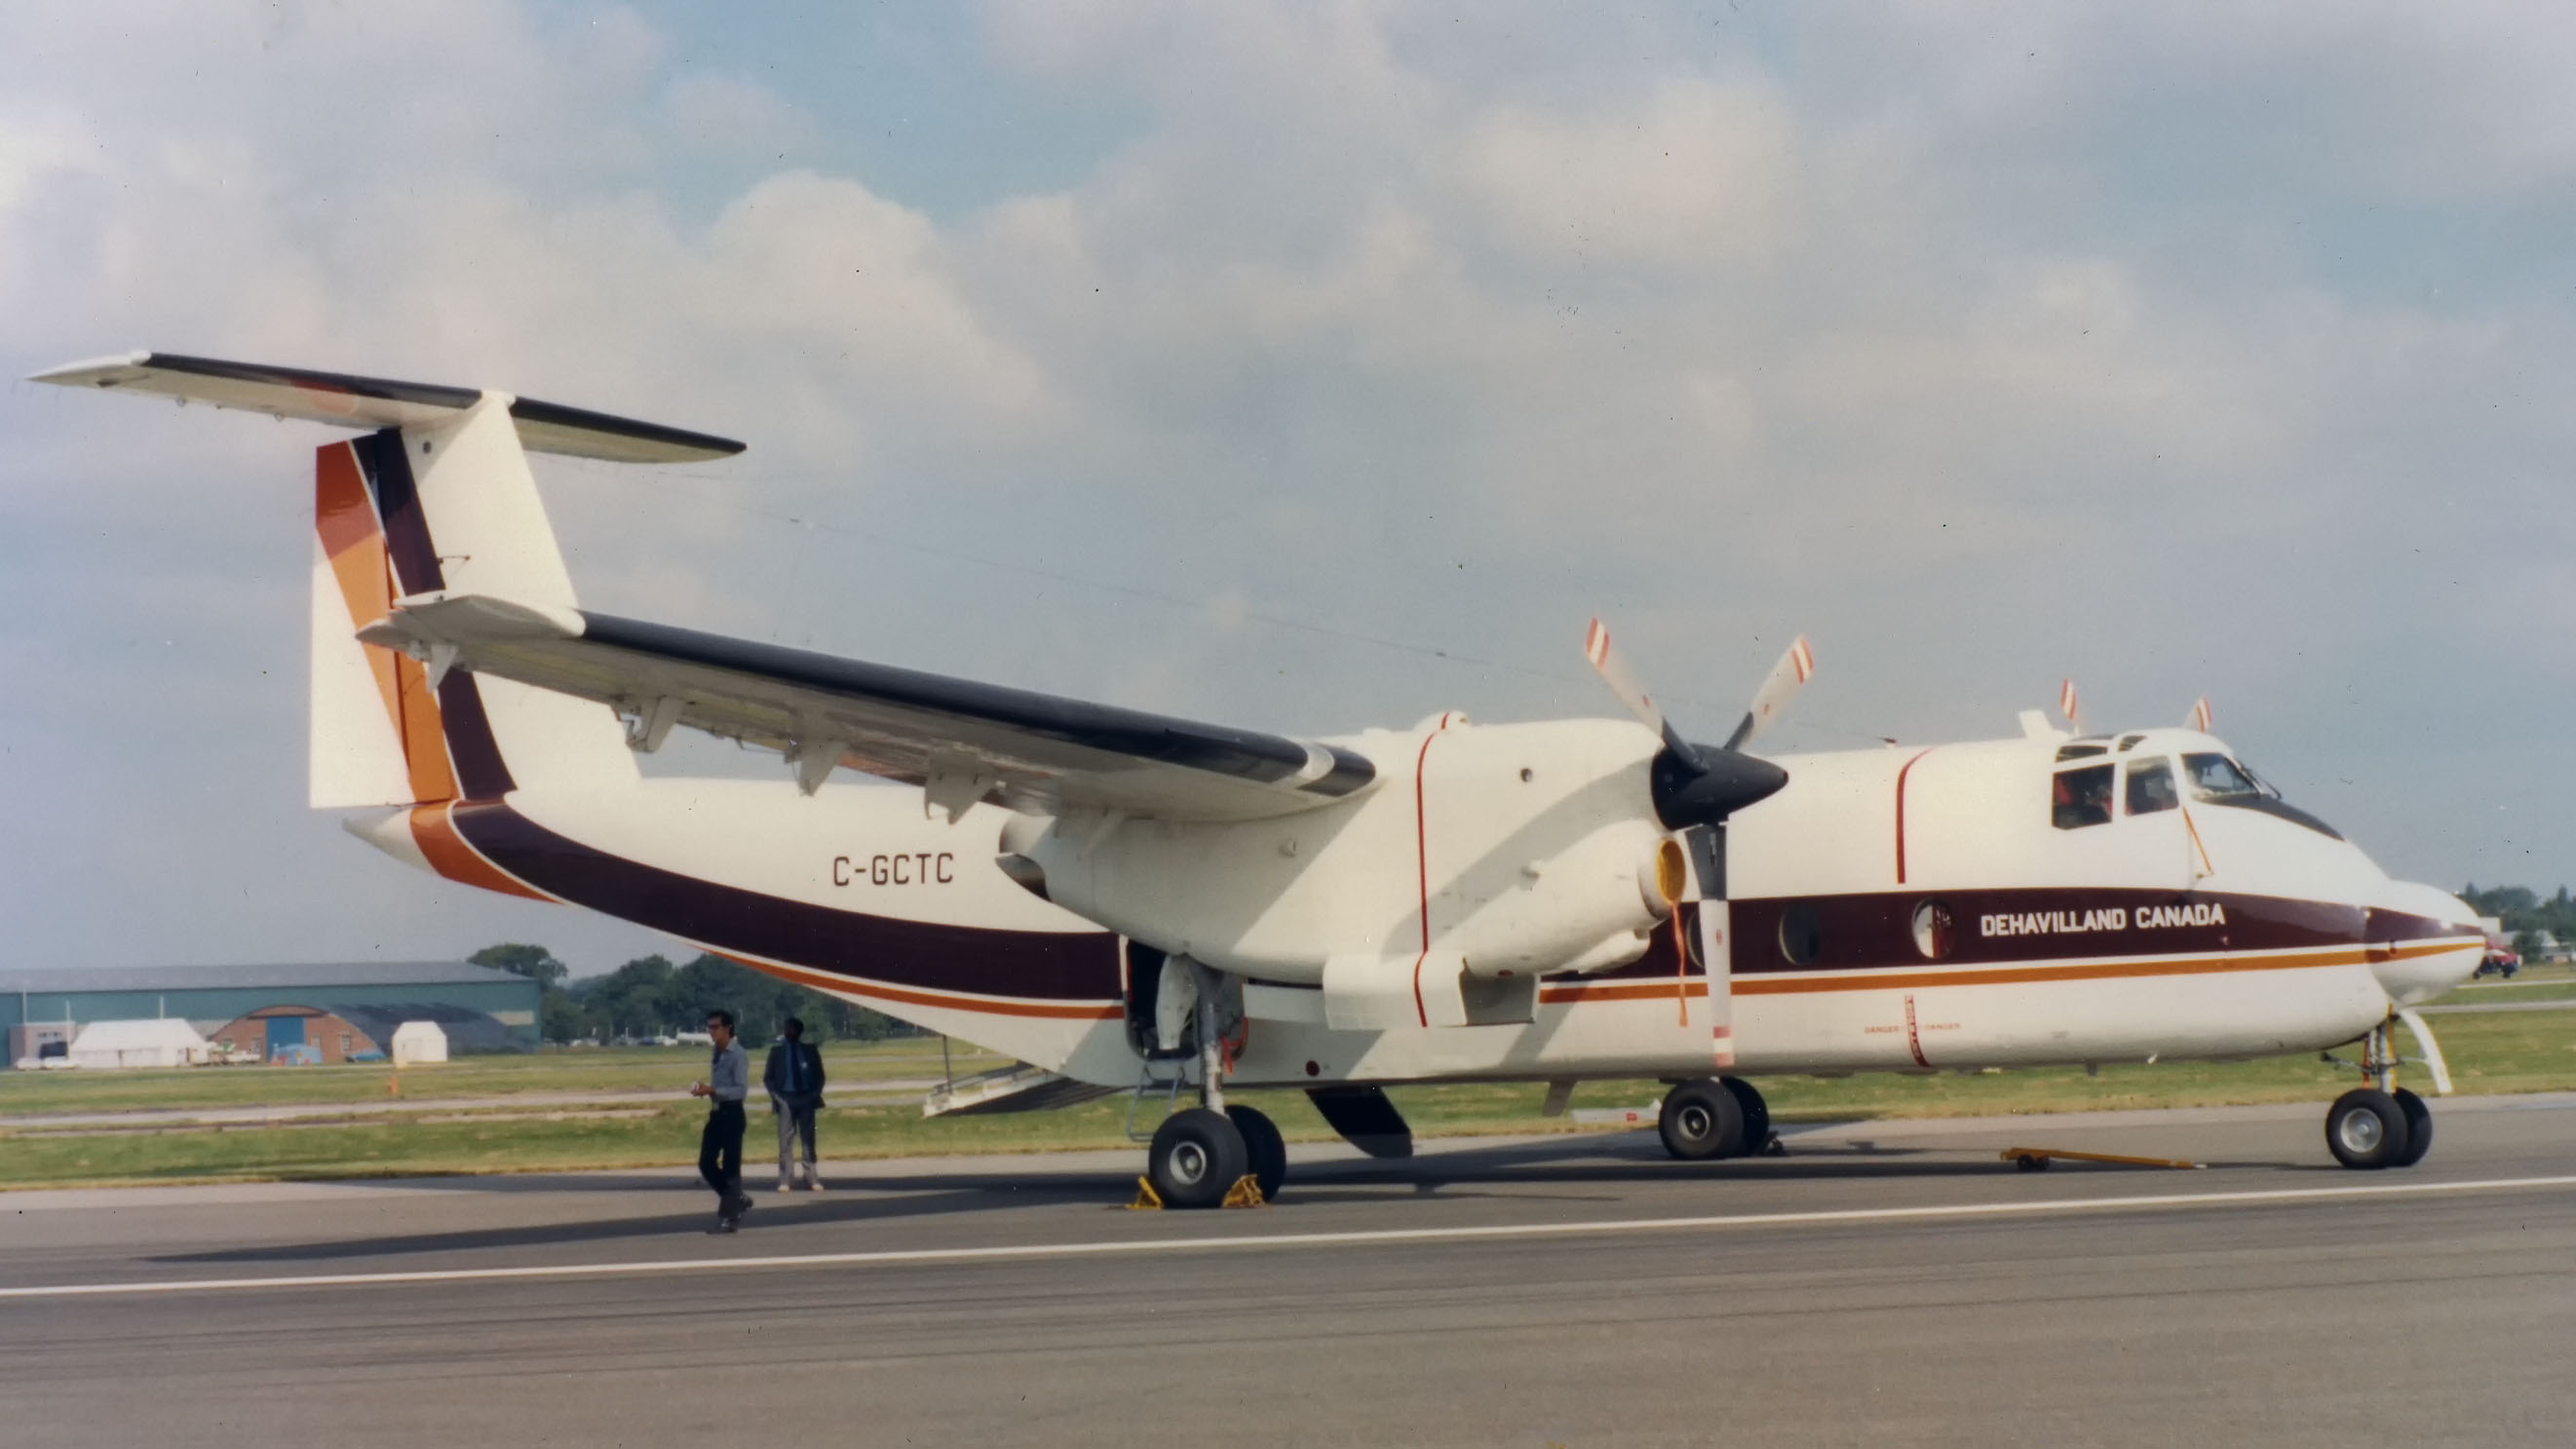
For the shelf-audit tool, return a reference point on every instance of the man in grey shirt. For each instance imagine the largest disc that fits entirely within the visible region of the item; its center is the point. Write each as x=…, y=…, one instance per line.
x=720, y=1145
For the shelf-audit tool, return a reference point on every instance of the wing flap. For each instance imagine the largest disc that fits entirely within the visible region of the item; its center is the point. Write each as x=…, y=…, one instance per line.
x=959, y=738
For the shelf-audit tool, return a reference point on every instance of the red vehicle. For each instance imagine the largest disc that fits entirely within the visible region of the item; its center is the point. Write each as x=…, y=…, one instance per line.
x=2500, y=959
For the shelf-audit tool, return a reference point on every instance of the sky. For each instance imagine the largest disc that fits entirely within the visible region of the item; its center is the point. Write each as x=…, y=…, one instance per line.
x=1314, y=367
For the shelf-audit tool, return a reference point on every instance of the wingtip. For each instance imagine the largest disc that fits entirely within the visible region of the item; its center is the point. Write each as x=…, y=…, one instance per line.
x=86, y=373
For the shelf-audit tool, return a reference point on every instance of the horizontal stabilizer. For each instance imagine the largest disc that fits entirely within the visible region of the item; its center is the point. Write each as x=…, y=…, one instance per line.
x=374, y=402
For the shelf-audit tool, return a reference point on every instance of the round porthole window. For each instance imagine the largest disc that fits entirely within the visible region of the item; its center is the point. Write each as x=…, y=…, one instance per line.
x=1801, y=938
x=1932, y=935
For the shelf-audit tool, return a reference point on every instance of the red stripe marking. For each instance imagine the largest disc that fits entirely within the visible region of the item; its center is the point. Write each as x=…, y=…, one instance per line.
x=1422, y=865
x=1902, y=771
x=1913, y=1038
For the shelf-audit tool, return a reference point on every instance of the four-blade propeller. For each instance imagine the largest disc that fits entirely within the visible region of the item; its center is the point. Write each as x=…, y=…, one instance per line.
x=1698, y=784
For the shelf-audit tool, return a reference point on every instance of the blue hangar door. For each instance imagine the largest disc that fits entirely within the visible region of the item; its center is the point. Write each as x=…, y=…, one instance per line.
x=284, y=1031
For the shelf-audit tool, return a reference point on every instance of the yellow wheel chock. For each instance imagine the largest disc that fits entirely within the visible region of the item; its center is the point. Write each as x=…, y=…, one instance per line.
x=1246, y=1193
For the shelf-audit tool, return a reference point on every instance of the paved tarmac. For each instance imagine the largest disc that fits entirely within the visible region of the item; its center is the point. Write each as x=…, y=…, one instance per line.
x=1883, y=1284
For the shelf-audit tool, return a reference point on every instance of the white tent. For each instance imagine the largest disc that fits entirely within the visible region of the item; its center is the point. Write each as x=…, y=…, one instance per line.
x=419, y=1041
x=161, y=1043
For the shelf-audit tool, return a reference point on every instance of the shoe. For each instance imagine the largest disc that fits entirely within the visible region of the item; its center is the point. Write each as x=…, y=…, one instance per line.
x=724, y=1224
x=741, y=1205
x=813, y=1184
x=784, y=1185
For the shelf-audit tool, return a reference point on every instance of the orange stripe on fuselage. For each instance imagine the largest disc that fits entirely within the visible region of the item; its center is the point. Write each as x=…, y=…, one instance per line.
x=2006, y=976
x=2087, y=970
x=993, y=1006
x=1622, y=991
x=449, y=855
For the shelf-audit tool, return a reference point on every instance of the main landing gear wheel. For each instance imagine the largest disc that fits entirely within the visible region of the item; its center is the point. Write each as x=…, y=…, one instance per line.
x=1756, y=1113
x=2419, y=1128
x=1701, y=1121
x=1196, y=1156
x=2366, y=1128
x=1266, y=1150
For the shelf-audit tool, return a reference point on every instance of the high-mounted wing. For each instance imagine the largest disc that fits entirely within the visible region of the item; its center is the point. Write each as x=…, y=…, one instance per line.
x=960, y=740
x=376, y=402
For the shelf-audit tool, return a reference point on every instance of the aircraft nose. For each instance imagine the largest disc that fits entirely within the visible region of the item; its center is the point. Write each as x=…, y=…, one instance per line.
x=2406, y=935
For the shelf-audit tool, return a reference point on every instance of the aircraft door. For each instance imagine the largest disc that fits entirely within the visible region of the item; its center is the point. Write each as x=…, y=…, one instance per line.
x=1713, y=940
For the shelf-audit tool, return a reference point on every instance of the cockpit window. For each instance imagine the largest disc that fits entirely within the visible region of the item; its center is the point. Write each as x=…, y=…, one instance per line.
x=2151, y=786
x=2081, y=797
x=2129, y=742
x=2216, y=777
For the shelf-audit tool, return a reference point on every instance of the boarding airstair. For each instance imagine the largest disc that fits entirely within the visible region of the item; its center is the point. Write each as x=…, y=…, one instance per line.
x=1018, y=1087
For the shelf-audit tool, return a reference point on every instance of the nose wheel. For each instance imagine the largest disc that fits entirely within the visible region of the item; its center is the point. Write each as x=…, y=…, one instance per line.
x=2383, y=1124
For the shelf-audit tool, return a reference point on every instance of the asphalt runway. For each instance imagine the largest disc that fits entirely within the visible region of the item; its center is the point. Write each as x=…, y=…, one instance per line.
x=1883, y=1284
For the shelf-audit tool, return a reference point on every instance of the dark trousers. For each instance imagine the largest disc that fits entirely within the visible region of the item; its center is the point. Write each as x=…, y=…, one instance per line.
x=720, y=1152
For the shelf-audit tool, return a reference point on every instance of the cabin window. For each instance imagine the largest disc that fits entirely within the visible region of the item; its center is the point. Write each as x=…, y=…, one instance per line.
x=1801, y=936
x=2077, y=752
x=2151, y=787
x=1932, y=934
x=2216, y=777
x=2077, y=798
x=2129, y=742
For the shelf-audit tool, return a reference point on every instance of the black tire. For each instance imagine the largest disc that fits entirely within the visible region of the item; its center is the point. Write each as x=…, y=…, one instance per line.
x=1264, y=1148
x=2365, y=1128
x=1755, y=1112
x=1196, y=1156
x=1700, y=1121
x=2419, y=1128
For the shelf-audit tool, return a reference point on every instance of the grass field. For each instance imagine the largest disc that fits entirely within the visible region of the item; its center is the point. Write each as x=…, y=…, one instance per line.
x=2501, y=1052
x=608, y=1069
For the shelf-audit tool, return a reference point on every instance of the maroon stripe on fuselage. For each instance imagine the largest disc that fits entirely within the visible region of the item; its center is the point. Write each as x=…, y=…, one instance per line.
x=1876, y=930
x=1040, y=965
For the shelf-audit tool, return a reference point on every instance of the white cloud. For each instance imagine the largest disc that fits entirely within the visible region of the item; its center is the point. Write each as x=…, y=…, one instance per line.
x=1984, y=346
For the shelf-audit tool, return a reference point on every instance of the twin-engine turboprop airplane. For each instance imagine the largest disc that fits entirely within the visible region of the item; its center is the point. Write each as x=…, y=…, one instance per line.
x=1125, y=900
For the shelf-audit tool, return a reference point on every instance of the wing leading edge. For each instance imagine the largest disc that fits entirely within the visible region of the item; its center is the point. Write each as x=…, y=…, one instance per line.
x=962, y=741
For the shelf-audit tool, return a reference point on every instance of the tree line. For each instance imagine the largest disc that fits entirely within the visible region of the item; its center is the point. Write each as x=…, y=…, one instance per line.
x=2526, y=913
x=649, y=996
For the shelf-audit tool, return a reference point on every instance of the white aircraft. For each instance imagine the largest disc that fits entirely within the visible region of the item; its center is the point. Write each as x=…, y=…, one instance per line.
x=1129, y=901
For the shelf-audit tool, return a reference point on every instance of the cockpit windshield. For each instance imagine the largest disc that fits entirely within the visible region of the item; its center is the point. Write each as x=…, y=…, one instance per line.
x=2216, y=777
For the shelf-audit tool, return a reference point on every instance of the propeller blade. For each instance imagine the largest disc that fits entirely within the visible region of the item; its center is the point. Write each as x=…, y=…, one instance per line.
x=1613, y=668
x=2068, y=706
x=1787, y=677
x=2199, y=718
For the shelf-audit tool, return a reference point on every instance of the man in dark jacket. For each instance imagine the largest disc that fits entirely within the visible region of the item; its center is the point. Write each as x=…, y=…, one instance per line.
x=794, y=1078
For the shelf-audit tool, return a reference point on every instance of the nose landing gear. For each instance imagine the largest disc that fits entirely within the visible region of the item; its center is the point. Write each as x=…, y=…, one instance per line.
x=2382, y=1124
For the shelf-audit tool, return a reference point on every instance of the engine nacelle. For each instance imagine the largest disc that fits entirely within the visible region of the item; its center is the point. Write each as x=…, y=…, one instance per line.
x=1514, y=850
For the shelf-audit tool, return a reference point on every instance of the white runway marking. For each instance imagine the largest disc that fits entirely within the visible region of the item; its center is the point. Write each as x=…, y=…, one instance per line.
x=1359, y=1236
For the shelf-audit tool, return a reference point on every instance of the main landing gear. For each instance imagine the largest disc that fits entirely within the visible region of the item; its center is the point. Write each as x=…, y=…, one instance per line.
x=1201, y=1156
x=2383, y=1124
x=1707, y=1118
